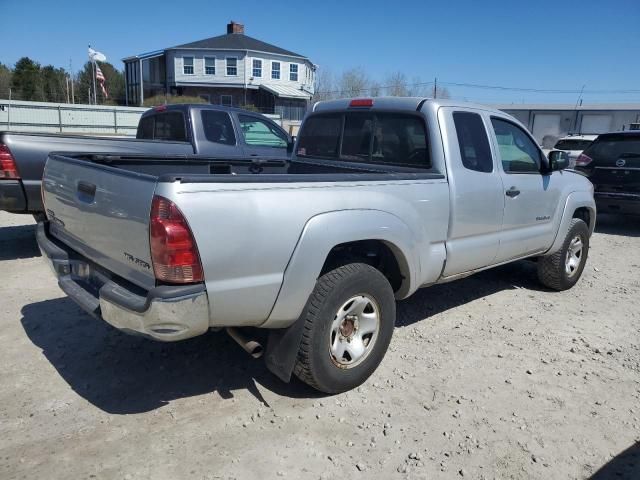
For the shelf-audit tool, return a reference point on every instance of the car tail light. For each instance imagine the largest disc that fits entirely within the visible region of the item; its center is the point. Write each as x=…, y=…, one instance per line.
x=361, y=102
x=583, y=160
x=8, y=168
x=173, y=249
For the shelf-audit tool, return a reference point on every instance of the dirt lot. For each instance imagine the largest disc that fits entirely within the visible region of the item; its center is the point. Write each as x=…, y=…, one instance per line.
x=488, y=377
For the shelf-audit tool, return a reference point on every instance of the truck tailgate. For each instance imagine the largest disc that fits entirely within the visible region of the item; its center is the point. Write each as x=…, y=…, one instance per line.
x=103, y=213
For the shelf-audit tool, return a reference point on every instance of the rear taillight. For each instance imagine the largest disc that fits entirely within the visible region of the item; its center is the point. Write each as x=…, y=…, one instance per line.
x=583, y=160
x=173, y=249
x=8, y=168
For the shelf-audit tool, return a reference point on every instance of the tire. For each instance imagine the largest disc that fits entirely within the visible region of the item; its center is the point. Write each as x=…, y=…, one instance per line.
x=336, y=300
x=554, y=270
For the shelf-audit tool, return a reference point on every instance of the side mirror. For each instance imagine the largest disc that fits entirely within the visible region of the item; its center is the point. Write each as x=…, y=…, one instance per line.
x=558, y=160
x=290, y=144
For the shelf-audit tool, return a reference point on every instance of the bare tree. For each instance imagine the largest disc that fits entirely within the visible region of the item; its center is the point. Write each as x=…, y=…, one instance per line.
x=375, y=89
x=354, y=82
x=396, y=84
x=324, y=87
x=442, y=92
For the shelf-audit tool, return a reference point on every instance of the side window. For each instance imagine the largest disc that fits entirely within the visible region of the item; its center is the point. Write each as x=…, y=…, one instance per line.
x=473, y=142
x=170, y=126
x=145, y=128
x=519, y=154
x=217, y=127
x=258, y=132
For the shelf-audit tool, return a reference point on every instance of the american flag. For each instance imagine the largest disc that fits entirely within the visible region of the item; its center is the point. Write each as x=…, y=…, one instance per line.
x=100, y=78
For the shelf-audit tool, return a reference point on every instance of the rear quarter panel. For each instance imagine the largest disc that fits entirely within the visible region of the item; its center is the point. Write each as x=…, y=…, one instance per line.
x=247, y=233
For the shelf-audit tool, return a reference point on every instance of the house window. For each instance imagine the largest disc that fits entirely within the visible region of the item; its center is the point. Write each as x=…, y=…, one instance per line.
x=187, y=65
x=293, y=72
x=275, y=70
x=257, y=68
x=209, y=65
x=226, y=100
x=232, y=66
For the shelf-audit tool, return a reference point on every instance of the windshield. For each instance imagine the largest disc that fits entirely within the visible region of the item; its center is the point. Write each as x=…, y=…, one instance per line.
x=366, y=137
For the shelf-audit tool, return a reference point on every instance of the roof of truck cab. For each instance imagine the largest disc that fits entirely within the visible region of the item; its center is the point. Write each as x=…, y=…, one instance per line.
x=201, y=106
x=399, y=103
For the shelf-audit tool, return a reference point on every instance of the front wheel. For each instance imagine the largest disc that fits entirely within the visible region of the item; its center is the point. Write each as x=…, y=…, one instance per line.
x=349, y=320
x=562, y=270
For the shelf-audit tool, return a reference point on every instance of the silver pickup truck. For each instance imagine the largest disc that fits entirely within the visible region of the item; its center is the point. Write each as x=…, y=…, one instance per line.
x=381, y=197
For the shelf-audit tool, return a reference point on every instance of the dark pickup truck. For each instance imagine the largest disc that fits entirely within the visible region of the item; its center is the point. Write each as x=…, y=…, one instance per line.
x=205, y=130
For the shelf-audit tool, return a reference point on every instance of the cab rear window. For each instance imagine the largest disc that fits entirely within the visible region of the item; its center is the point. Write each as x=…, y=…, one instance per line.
x=366, y=137
x=163, y=126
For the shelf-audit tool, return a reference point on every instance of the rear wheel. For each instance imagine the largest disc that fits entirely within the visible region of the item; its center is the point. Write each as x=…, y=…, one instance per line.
x=562, y=270
x=349, y=321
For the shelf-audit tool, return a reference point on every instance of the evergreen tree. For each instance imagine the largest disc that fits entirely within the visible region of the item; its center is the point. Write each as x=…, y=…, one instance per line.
x=5, y=80
x=54, y=84
x=26, y=80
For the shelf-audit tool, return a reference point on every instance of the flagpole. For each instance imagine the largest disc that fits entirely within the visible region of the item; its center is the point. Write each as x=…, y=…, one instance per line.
x=95, y=90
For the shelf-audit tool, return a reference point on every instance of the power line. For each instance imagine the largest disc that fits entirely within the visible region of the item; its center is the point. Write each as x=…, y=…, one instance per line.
x=484, y=87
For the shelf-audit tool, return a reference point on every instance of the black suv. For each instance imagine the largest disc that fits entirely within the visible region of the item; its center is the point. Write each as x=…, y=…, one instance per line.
x=612, y=163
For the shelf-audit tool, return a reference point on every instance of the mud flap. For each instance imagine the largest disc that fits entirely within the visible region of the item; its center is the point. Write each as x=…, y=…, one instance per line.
x=282, y=349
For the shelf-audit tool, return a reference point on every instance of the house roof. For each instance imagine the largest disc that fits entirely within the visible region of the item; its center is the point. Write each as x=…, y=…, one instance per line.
x=237, y=41
x=285, y=91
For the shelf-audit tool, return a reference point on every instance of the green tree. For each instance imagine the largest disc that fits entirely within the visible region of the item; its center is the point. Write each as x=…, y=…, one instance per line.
x=114, y=82
x=26, y=80
x=5, y=80
x=54, y=84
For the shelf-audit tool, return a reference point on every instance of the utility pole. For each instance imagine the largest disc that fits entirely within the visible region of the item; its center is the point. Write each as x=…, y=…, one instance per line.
x=575, y=109
x=73, y=100
x=435, y=87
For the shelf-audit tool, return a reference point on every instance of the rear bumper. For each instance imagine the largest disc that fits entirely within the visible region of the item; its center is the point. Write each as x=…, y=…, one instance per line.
x=625, y=203
x=12, y=198
x=165, y=313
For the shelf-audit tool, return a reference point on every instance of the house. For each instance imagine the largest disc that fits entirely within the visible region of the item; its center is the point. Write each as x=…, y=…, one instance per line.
x=232, y=69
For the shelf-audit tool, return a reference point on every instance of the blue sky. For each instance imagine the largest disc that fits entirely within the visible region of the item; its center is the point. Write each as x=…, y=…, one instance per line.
x=536, y=44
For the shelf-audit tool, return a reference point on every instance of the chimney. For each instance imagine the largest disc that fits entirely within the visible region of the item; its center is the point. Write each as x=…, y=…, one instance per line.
x=234, y=27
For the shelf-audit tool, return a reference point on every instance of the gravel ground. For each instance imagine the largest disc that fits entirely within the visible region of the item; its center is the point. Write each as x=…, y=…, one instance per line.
x=488, y=377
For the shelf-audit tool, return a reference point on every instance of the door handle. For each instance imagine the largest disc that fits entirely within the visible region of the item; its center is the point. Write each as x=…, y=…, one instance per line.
x=512, y=192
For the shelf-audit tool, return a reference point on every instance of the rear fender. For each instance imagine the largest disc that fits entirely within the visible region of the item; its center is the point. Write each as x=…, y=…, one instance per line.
x=320, y=235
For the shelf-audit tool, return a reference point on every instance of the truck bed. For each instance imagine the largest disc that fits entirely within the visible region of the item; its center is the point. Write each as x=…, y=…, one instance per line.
x=30, y=151
x=195, y=169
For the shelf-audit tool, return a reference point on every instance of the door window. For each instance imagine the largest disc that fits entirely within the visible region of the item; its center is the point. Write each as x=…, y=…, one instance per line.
x=519, y=154
x=217, y=127
x=259, y=133
x=473, y=142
